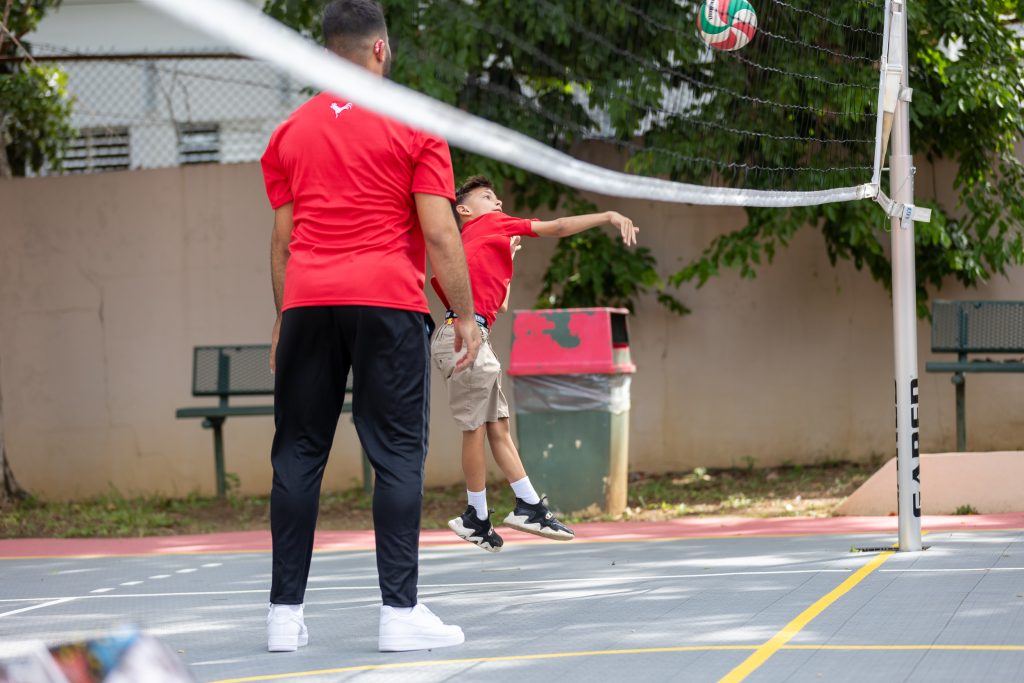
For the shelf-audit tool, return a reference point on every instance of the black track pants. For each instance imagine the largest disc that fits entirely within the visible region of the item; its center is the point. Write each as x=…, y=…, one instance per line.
x=388, y=351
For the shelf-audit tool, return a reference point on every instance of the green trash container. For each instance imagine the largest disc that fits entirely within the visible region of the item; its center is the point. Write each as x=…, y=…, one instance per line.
x=571, y=371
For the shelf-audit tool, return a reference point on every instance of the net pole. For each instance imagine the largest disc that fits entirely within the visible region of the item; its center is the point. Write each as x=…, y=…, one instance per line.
x=904, y=298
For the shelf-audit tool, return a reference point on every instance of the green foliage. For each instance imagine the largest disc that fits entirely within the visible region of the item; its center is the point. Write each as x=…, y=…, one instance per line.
x=592, y=269
x=34, y=104
x=567, y=72
x=966, y=510
x=967, y=108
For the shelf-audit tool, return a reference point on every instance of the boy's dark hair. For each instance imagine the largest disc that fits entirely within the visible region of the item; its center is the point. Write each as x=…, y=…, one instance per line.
x=350, y=25
x=472, y=183
x=468, y=185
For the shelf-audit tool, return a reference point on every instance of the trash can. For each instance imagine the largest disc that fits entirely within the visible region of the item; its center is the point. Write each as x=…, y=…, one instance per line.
x=571, y=373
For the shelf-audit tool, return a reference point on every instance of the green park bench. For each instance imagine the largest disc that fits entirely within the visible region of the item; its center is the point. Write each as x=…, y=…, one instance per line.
x=240, y=370
x=971, y=327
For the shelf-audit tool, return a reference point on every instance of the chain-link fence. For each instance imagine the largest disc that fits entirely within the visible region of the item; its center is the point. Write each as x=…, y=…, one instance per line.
x=158, y=110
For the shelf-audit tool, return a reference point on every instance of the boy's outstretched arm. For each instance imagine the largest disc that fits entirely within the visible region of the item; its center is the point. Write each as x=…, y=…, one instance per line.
x=570, y=225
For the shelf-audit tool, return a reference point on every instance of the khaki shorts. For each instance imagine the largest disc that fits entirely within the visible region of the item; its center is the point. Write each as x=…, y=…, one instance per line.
x=474, y=393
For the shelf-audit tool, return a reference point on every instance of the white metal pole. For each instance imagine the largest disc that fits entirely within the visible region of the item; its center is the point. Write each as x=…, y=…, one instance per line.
x=904, y=298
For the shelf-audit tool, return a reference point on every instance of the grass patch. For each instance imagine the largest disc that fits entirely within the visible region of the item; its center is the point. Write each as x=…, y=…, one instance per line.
x=790, y=490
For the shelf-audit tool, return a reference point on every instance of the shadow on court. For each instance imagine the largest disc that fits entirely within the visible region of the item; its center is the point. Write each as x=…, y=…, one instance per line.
x=687, y=600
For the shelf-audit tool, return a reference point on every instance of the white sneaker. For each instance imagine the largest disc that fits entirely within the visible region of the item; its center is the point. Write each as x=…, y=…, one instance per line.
x=420, y=629
x=286, y=629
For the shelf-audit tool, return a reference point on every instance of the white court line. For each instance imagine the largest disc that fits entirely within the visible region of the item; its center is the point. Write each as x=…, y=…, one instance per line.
x=607, y=580
x=217, y=661
x=473, y=584
x=955, y=569
x=51, y=603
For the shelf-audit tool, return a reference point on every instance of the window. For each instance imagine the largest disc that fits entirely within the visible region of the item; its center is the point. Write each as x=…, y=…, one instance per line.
x=98, y=149
x=198, y=143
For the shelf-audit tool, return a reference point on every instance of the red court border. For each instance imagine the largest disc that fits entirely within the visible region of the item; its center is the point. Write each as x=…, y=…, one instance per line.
x=591, y=532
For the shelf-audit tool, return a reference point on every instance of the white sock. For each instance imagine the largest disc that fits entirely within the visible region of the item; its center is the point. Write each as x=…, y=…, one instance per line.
x=524, y=491
x=478, y=499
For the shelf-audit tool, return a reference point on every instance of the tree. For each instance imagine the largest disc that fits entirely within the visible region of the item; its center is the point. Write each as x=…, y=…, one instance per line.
x=563, y=71
x=34, y=107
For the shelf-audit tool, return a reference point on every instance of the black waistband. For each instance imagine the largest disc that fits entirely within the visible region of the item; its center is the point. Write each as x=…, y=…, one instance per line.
x=480, y=320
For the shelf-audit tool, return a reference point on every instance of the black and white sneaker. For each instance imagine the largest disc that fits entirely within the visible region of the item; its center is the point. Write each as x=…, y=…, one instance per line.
x=538, y=520
x=479, y=531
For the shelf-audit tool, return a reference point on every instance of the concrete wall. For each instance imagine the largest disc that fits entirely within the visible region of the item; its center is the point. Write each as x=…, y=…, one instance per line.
x=107, y=282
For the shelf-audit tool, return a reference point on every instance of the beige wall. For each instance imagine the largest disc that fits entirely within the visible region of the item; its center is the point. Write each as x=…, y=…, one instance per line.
x=107, y=282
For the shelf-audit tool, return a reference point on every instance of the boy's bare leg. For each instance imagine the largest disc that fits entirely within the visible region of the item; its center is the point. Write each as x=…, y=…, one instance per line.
x=474, y=466
x=474, y=525
x=531, y=513
x=504, y=450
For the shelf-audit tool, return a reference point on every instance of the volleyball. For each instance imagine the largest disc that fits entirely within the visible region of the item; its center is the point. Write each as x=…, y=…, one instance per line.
x=727, y=24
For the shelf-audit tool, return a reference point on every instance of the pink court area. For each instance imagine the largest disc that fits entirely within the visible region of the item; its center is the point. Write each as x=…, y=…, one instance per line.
x=594, y=532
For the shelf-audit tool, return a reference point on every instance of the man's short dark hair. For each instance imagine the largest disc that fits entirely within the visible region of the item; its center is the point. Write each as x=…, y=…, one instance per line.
x=349, y=25
x=472, y=183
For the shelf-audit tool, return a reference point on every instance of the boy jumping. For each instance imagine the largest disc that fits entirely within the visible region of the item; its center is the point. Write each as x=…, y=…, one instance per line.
x=491, y=239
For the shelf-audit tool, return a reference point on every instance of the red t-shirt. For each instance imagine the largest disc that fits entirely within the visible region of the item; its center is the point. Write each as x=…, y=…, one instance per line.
x=489, y=259
x=351, y=175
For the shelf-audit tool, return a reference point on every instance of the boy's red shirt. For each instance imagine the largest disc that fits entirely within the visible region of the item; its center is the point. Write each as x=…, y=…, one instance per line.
x=489, y=259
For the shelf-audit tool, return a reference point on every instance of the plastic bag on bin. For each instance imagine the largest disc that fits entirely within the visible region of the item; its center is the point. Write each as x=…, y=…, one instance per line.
x=570, y=393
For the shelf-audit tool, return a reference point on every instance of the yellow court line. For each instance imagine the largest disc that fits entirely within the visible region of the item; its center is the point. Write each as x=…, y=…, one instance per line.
x=761, y=655
x=478, y=660
x=958, y=648
x=593, y=653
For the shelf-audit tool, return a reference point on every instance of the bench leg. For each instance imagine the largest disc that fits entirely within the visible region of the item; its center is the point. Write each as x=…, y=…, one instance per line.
x=960, y=382
x=217, y=425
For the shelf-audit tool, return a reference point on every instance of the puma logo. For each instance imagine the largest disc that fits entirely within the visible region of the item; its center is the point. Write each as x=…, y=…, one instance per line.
x=337, y=108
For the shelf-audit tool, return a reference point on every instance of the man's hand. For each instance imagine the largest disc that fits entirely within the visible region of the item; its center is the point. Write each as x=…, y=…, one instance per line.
x=625, y=226
x=516, y=244
x=274, y=336
x=467, y=333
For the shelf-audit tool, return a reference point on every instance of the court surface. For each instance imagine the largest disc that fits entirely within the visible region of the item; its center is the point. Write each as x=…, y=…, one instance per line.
x=687, y=600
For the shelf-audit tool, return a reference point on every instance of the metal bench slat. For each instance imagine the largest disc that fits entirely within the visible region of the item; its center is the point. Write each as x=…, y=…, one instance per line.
x=974, y=366
x=242, y=370
x=978, y=327
x=224, y=411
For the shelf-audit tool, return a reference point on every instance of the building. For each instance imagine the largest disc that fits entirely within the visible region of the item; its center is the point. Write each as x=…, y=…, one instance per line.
x=150, y=92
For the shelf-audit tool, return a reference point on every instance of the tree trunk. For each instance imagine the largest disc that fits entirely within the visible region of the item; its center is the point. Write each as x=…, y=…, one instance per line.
x=11, y=490
x=5, y=172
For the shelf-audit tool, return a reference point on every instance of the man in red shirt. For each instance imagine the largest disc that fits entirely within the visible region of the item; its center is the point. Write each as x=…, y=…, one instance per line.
x=359, y=202
x=491, y=239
